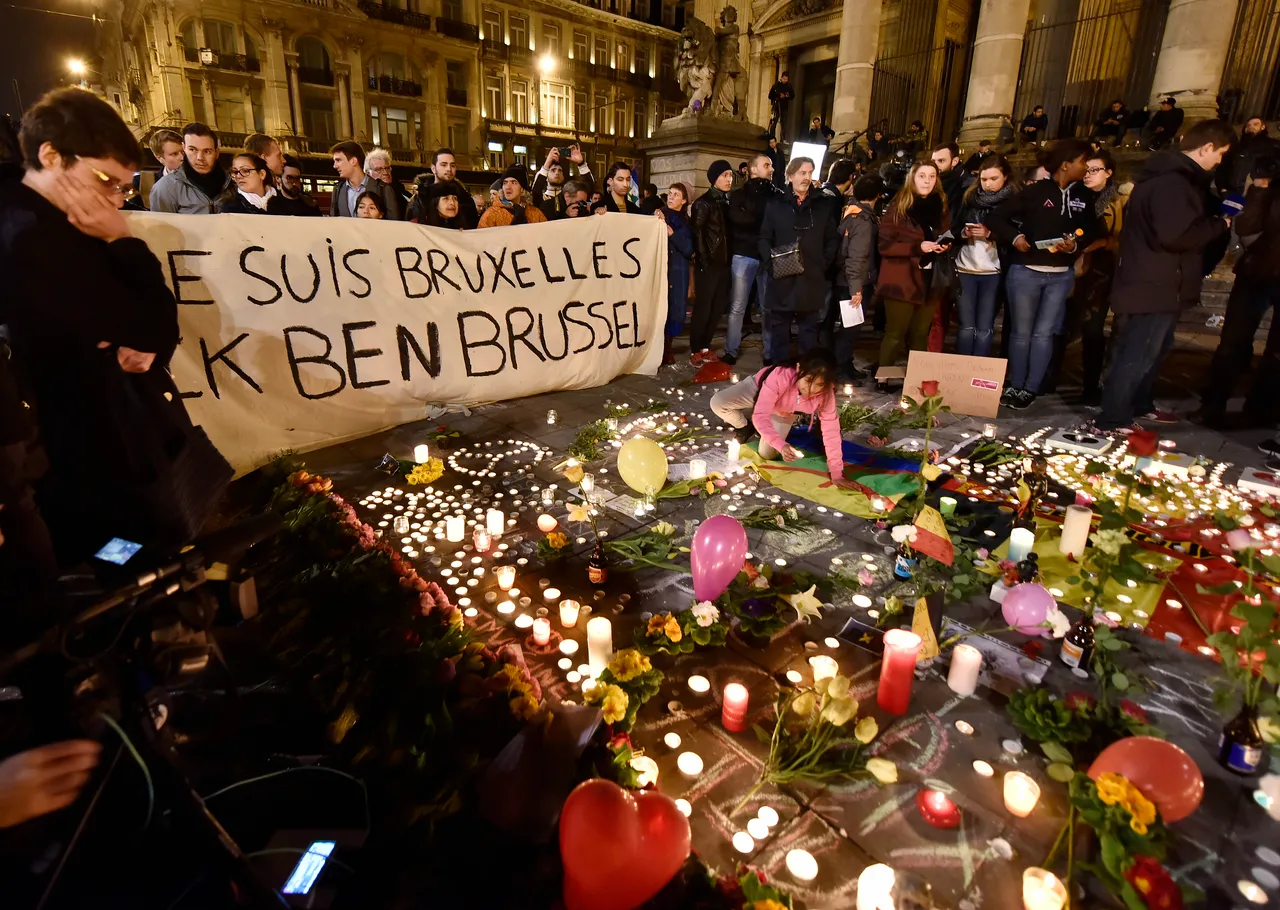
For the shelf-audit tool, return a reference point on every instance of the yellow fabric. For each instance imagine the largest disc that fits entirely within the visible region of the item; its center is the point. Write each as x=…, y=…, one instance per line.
x=805, y=481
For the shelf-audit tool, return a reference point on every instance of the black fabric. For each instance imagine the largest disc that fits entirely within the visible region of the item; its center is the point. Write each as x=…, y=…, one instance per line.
x=280, y=204
x=211, y=184
x=1239, y=161
x=716, y=168
x=1045, y=211
x=234, y=203
x=746, y=212
x=1166, y=231
x=519, y=173
x=979, y=204
x=709, y=218
x=955, y=183
x=1250, y=300
x=1260, y=216
x=711, y=286
x=787, y=220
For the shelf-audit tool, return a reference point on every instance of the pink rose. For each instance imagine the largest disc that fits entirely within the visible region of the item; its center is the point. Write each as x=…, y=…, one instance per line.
x=1241, y=539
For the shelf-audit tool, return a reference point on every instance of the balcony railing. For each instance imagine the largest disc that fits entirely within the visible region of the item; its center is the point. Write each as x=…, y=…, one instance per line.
x=238, y=62
x=521, y=56
x=639, y=80
x=314, y=75
x=392, y=14
x=390, y=86
x=231, y=140
x=494, y=50
x=456, y=96
x=454, y=28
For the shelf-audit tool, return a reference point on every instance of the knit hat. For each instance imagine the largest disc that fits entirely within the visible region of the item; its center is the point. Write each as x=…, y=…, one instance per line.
x=517, y=172
x=496, y=186
x=440, y=190
x=718, y=167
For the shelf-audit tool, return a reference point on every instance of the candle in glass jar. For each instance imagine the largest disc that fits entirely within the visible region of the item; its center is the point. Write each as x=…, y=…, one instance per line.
x=734, y=714
x=542, y=632
x=599, y=643
x=1021, y=540
x=897, y=669
x=569, y=610
x=733, y=450
x=1042, y=890
x=966, y=661
x=421, y=453
x=697, y=469
x=989, y=431
x=588, y=484
x=506, y=577
x=454, y=527
x=548, y=496
x=1021, y=793
x=482, y=539
x=1075, y=530
x=495, y=521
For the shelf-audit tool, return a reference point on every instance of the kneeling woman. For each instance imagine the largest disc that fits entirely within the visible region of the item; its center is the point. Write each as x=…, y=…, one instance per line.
x=770, y=400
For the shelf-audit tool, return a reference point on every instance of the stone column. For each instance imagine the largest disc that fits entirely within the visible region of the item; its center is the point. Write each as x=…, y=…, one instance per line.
x=1195, y=46
x=859, y=42
x=345, y=127
x=295, y=97
x=359, y=109
x=993, y=74
x=275, y=96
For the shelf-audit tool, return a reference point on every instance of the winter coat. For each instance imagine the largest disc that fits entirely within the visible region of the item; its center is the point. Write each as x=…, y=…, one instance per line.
x=386, y=192
x=278, y=204
x=975, y=208
x=857, y=258
x=679, y=252
x=955, y=183
x=1031, y=122
x=1261, y=215
x=787, y=220
x=779, y=166
x=782, y=92
x=901, y=260
x=1165, y=233
x=177, y=194
x=1238, y=164
x=746, y=213
x=500, y=215
x=418, y=206
x=709, y=219
x=1046, y=211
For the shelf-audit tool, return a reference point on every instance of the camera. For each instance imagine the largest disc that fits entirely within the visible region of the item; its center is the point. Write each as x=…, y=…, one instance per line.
x=566, y=154
x=579, y=209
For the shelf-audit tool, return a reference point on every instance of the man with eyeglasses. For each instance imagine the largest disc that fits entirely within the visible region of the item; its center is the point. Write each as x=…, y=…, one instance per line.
x=91, y=323
x=291, y=185
x=377, y=164
x=195, y=187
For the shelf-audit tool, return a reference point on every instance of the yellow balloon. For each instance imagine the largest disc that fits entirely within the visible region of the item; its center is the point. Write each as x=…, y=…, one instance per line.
x=643, y=465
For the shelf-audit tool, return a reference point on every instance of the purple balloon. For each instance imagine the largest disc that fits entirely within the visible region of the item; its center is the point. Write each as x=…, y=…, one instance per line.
x=718, y=551
x=1026, y=606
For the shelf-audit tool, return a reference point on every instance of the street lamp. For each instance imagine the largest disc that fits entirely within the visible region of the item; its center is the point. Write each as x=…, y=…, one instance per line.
x=76, y=67
x=547, y=65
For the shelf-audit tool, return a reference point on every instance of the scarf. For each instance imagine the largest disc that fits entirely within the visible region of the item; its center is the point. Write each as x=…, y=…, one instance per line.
x=259, y=201
x=518, y=213
x=927, y=212
x=982, y=202
x=211, y=184
x=1106, y=196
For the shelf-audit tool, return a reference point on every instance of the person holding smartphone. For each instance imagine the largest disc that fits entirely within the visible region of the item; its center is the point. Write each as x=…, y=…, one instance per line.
x=1048, y=224
x=978, y=258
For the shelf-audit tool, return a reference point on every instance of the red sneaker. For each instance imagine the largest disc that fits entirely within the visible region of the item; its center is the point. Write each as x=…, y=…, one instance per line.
x=710, y=357
x=698, y=358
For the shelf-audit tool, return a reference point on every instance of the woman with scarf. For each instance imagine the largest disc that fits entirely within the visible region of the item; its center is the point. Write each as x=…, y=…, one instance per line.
x=255, y=192
x=679, y=252
x=978, y=259
x=908, y=241
x=442, y=207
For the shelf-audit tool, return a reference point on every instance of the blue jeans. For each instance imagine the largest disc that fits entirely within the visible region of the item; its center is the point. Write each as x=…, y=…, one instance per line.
x=1038, y=305
x=1139, y=343
x=977, y=313
x=744, y=270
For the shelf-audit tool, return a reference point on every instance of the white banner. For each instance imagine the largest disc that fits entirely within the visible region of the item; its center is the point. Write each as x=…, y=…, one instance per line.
x=298, y=333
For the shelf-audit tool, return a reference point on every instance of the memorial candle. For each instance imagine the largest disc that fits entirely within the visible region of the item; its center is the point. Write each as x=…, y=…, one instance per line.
x=966, y=661
x=1042, y=890
x=506, y=577
x=482, y=539
x=1075, y=530
x=547, y=523
x=599, y=643
x=496, y=522
x=454, y=527
x=569, y=610
x=697, y=469
x=875, y=888
x=421, y=453
x=588, y=485
x=1021, y=793
x=733, y=449
x=897, y=669
x=1021, y=540
x=542, y=632
x=947, y=505
x=734, y=714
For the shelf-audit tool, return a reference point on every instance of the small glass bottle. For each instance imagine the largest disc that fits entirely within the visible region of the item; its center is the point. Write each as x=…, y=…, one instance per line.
x=1077, y=645
x=904, y=564
x=1240, y=746
x=597, y=567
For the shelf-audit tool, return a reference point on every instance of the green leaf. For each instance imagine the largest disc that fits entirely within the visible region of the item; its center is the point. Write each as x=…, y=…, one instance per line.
x=1097, y=467
x=762, y=734
x=1120, y=681
x=1113, y=855
x=1056, y=752
x=1113, y=644
x=1073, y=579
x=1060, y=772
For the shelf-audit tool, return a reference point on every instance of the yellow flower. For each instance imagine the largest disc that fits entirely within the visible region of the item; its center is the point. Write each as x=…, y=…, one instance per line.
x=838, y=687
x=804, y=704
x=524, y=706
x=574, y=472
x=710, y=486
x=883, y=770
x=866, y=730
x=765, y=905
x=673, y=630
x=579, y=513
x=806, y=605
x=429, y=470
x=557, y=541
x=613, y=703
x=839, y=711
x=629, y=663
x=658, y=623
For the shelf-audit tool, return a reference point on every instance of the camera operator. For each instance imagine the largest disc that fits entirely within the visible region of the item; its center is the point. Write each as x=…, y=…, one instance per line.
x=93, y=325
x=571, y=203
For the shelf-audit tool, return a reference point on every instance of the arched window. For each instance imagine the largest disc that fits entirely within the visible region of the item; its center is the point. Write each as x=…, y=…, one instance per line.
x=312, y=54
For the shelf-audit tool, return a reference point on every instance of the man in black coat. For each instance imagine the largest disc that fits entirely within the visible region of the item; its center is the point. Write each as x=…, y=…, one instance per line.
x=1254, y=144
x=1035, y=126
x=90, y=318
x=1112, y=122
x=445, y=168
x=1166, y=230
x=780, y=96
x=712, y=250
x=779, y=160
x=746, y=211
x=819, y=132
x=1163, y=126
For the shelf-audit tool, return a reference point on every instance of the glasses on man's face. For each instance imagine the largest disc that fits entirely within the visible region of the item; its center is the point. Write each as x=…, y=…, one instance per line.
x=107, y=182
x=380, y=169
x=243, y=171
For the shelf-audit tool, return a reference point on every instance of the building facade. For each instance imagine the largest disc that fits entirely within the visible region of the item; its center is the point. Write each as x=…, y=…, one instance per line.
x=497, y=82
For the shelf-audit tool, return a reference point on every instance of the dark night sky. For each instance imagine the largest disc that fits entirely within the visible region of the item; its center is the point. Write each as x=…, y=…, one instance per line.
x=35, y=43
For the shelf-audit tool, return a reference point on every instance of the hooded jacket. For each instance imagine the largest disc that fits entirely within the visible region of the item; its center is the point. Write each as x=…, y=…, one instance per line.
x=857, y=261
x=178, y=194
x=746, y=213
x=1046, y=211
x=1166, y=230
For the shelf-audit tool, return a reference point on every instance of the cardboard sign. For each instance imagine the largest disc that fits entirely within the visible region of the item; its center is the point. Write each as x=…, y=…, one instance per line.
x=968, y=385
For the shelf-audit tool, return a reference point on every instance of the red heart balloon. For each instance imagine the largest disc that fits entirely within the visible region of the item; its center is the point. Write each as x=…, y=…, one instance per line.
x=619, y=849
x=1162, y=772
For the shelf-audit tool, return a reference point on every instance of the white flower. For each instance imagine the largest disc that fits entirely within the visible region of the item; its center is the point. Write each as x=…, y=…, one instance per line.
x=705, y=613
x=1059, y=625
x=904, y=533
x=1109, y=542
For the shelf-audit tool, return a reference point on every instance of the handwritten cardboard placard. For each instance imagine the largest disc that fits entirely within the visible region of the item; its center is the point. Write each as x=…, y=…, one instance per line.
x=298, y=333
x=968, y=385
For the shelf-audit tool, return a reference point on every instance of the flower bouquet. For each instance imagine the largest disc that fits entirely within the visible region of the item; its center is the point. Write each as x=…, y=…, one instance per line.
x=655, y=548
x=699, y=626
x=623, y=687
x=764, y=601
x=1073, y=731
x=816, y=741
x=554, y=546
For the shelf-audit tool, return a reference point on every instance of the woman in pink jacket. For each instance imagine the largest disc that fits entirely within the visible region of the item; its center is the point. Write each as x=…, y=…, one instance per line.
x=768, y=402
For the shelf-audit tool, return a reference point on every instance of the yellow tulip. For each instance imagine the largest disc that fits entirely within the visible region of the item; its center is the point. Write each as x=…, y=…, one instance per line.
x=883, y=770
x=839, y=711
x=804, y=704
x=866, y=730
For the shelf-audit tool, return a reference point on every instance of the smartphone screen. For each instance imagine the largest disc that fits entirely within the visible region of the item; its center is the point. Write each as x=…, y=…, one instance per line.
x=118, y=550
x=304, y=874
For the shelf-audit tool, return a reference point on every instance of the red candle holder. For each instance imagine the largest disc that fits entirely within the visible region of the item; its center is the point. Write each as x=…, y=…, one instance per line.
x=938, y=809
x=897, y=670
x=734, y=715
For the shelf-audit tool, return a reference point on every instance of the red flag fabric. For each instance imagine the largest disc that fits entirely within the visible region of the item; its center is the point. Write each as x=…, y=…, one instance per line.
x=932, y=538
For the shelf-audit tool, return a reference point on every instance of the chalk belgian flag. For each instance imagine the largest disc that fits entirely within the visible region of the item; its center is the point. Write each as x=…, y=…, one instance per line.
x=932, y=538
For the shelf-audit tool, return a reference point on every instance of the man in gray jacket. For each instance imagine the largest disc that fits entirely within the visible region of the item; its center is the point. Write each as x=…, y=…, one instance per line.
x=855, y=272
x=194, y=188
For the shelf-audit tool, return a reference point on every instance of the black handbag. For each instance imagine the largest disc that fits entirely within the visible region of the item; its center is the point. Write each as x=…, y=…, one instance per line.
x=785, y=261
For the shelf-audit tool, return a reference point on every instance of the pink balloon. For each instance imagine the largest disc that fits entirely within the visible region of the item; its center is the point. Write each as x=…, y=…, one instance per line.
x=718, y=551
x=1026, y=606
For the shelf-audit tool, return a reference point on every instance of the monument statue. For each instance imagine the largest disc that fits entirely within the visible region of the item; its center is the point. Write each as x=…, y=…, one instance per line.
x=709, y=67
x=728, y=66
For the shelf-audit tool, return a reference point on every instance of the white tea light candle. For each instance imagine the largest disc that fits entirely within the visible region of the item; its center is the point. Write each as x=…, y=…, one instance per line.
x=966, y=661
x=495, y=521
x=506, y=576
x=875, y=888
x=454, y=527
x=1042, y=890
x=599, y=643
x=569, y=610
x=542, y=632
x=801, y=864
x=1021, y=793
x=421, y=453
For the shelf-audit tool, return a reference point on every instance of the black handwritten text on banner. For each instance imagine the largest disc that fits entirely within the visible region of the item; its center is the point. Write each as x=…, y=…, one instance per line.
x=301, y=332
